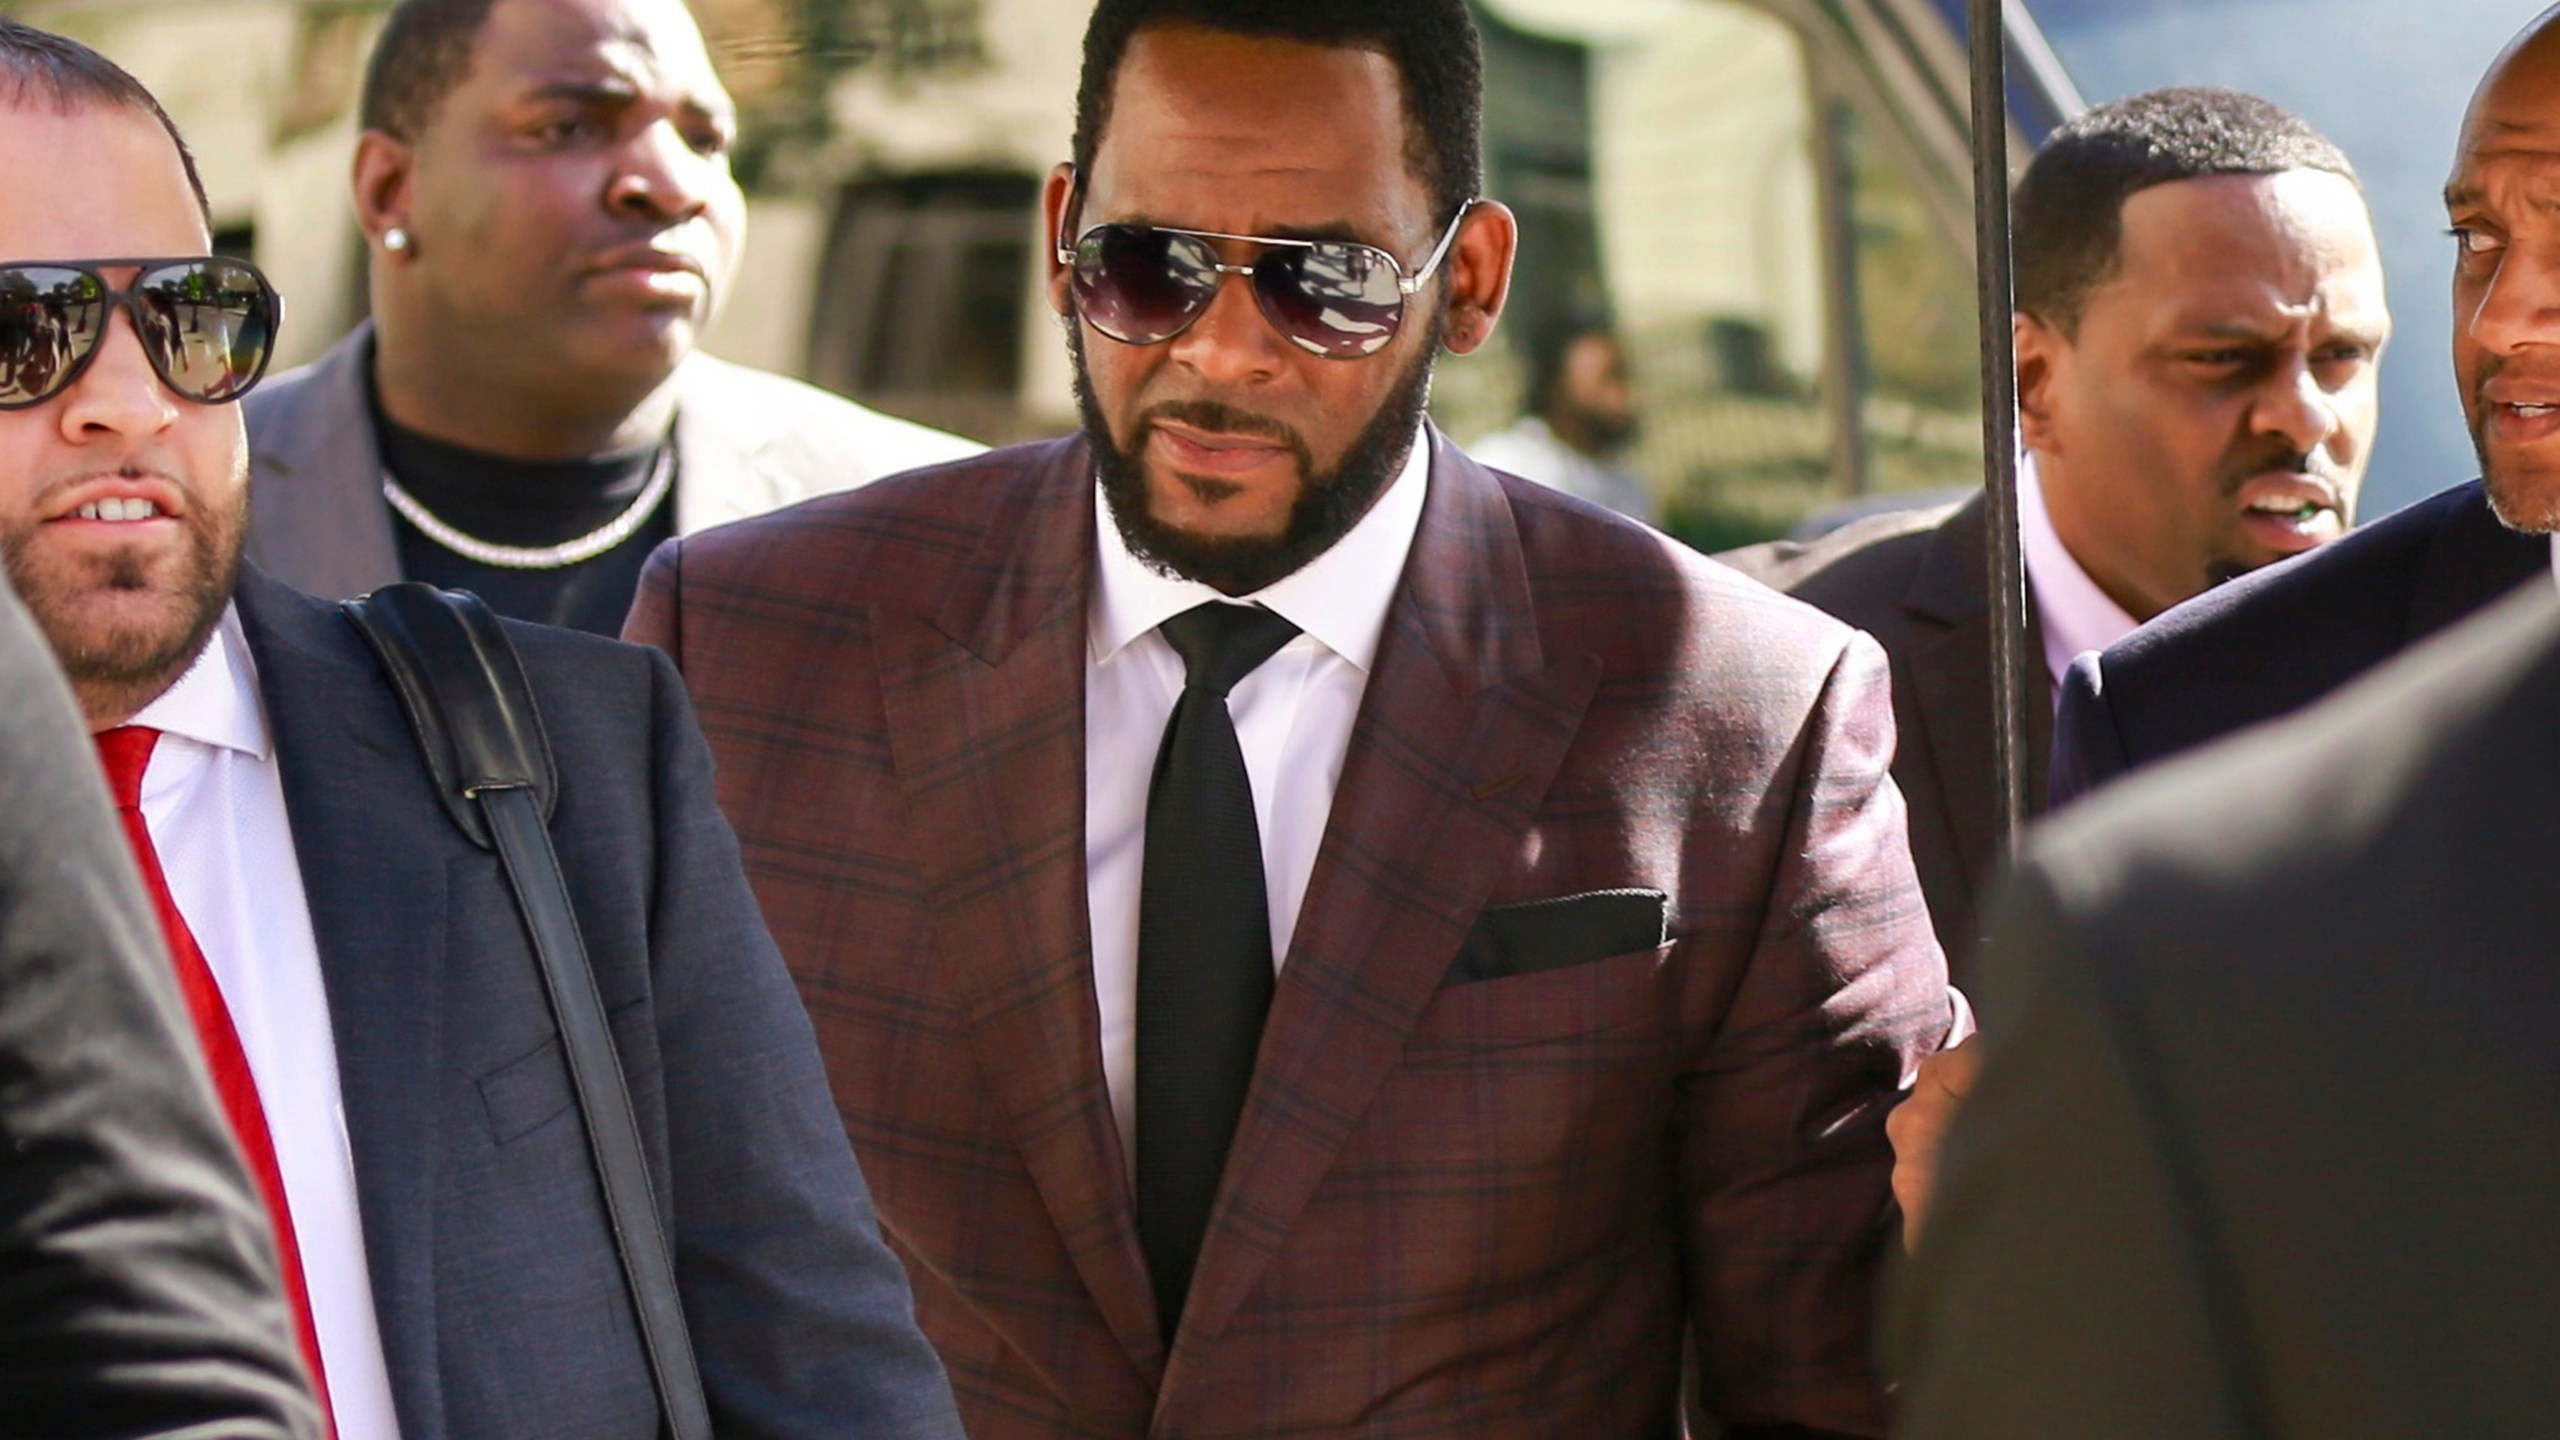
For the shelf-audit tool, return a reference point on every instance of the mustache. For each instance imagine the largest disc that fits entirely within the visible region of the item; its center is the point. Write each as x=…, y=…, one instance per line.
x=2281, y=458
x=1220, y=417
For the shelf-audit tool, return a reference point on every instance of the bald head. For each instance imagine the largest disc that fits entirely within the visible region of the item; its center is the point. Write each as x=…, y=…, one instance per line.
x=2504, y=203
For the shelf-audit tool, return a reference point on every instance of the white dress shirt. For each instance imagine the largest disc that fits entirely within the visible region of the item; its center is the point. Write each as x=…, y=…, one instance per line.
x=1293, y=718
x=2076, y=615
x=214, y=804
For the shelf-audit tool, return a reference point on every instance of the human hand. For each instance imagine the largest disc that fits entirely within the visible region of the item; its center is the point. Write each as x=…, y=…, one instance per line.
x=1918, y=1127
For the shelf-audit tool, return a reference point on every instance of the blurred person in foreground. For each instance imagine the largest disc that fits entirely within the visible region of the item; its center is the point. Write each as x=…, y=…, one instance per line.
x=361, y=983
x=138, y=1290
x=2198, y=328
x=1581, y=418
x=1598, y=953
x=544, y=186
x=2268, y=1131
x=2281, y=639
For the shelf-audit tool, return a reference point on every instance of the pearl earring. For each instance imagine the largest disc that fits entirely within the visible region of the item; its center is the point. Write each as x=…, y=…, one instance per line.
x=396, y=240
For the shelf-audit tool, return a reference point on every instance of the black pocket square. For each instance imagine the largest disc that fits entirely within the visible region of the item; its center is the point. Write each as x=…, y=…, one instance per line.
x=1537, y=935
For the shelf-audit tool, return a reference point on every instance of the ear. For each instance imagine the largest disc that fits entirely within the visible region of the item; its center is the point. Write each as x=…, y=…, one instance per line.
x=2042, y=354
x=383, y=168
x=1480, y=274
x=1055, y=198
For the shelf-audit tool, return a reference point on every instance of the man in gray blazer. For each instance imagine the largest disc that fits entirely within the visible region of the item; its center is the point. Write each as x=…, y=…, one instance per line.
x=2267, y=1135
x=137, y=1284
x=2199, y=317
x=546, y=192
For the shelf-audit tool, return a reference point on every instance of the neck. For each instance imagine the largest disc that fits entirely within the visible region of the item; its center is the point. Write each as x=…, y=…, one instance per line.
x=2079, y=532
x=485, y=408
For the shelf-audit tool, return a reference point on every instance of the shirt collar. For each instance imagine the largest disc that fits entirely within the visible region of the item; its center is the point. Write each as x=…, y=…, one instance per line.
x=216, y=701
x=2077, y=616
x=1340, y=597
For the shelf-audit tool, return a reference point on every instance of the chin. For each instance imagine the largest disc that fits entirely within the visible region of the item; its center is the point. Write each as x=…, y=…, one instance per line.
x=2526, y=498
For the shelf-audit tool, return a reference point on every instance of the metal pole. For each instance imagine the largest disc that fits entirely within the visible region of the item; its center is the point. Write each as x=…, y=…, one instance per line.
x=2008, y=577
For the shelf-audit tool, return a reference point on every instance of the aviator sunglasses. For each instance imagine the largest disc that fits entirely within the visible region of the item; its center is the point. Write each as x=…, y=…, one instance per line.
x=1145, y=284
x=207, y=324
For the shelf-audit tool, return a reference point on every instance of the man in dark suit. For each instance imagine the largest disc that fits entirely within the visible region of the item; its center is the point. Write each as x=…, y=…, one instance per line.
x=369, y=1006
x=2281, y=639
x=2266, y=1140
x=1598, y=953
x=137, y=1284
x=2199, y=317
x=544, y=186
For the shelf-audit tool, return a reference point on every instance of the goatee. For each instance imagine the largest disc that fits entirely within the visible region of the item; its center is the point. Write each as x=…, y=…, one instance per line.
x=1326, y=509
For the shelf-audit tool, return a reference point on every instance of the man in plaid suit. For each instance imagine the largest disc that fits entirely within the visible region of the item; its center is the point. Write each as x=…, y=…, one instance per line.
x=1557, y=971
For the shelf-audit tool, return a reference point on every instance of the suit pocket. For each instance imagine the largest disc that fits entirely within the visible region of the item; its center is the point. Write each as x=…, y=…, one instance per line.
x=1618, y=992
x=530, y=1091
x=1524, y=939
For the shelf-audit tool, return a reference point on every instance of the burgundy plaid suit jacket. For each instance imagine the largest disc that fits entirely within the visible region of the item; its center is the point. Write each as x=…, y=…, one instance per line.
x=1484, y=1209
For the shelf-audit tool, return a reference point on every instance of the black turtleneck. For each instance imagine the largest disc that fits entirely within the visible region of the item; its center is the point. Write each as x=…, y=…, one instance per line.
x=526, y=503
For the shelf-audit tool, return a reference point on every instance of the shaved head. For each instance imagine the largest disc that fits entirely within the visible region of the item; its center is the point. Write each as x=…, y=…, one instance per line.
x=2503, y=200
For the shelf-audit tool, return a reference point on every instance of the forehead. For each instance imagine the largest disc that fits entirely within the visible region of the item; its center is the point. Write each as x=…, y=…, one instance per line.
x=651, y=43
x=2512, y=132
x=1225, y=132
x=97, y=182
x=2236, y=245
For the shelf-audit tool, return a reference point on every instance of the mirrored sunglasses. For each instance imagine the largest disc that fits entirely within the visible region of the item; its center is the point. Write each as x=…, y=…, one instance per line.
x=207, y=324
x=1145, y=284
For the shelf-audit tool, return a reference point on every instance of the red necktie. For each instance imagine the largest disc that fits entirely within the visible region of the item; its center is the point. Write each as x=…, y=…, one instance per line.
x=126, y=751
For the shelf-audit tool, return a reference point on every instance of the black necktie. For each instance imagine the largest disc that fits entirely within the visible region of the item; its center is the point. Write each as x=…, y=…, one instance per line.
x=1204, y=943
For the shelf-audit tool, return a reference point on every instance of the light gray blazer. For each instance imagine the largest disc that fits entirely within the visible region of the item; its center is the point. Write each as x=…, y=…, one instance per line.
x=746, y=442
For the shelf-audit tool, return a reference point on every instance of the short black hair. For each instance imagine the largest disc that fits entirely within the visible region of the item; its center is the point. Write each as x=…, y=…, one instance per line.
x=2067, y=216
x=1433, y=44
x=67, y=75
x=424, y=51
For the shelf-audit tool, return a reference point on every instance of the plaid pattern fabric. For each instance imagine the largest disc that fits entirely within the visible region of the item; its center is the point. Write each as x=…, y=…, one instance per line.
x=1489, y=1209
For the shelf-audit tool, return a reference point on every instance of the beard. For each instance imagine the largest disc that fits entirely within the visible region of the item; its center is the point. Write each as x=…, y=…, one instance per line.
x=1328, y=505
x=117, y=667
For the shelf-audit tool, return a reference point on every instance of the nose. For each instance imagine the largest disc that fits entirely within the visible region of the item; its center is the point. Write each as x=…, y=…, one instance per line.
x=119, y=395
x=2520, y=306
x=661, y=176
x=1231, y=343
x=2293, y=404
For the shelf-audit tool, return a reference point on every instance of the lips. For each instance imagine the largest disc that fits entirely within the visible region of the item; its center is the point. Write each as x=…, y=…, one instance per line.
x=1215, y=452
x=115, y=500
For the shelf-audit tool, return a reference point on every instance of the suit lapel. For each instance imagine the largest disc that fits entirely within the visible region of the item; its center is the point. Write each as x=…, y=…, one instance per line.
x=377, y=898
x=985, y=711
x=318, y=470
x=1463, y=727
x=720, y=475
x=1950, y=676
x=2474, y=561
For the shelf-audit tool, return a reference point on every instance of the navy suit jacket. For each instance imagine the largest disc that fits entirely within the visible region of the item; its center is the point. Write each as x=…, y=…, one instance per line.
x=2273, y=641
x=502, y=1305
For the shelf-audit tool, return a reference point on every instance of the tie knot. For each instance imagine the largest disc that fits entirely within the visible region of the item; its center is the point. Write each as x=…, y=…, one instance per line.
x=1221, y=644
x=125, y=751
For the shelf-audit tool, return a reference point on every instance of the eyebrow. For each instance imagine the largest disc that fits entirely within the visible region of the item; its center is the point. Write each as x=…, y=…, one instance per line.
x=620, y=91
x=1329, y=230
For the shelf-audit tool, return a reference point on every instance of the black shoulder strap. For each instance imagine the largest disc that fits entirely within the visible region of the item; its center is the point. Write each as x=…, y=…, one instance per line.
x=459, y=678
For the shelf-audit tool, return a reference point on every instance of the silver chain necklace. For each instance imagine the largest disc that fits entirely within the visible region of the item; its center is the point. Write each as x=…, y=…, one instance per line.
x=662, y=476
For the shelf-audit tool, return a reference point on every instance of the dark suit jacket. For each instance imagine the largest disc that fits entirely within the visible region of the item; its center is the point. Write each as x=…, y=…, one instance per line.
x=2274, y=641
x=1918, y=582
x=1481, y=1209
x=137, y=1273
x=2267, y=1138
x=502, y=1306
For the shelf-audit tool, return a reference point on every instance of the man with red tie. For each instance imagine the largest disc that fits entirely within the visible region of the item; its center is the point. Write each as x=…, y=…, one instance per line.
x=359, y=978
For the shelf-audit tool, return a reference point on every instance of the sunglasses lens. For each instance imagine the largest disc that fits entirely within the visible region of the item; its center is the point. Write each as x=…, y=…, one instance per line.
x=1334, y=298
x=1140, y=285
x=210, y=325
x=49, y=318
